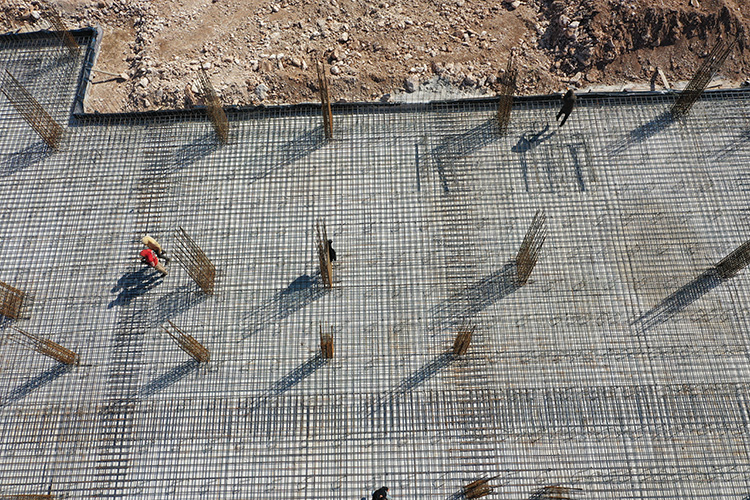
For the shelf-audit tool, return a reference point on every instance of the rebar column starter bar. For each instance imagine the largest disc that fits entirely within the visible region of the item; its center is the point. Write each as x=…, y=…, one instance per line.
x=45, y=346
x=325, y=100
x=11, y=301
x=61, y=31
x=326, y=344
x=507, y=90
x=187, y=343
x=463, y=339
x=702, y=77
x=478, y=488
x=324, y=257
x=532, y=243
x=194, y=261
x=214, y=108
x=33, y=112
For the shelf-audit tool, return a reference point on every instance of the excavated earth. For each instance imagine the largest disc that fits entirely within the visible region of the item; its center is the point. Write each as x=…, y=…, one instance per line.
x=264, y=52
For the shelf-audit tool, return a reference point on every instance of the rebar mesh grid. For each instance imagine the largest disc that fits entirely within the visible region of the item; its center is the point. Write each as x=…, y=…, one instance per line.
x=619, y=370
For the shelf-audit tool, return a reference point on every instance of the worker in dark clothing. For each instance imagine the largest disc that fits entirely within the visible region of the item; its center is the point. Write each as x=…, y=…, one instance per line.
x=380, y=494
x=569, y=102
x=331, y=251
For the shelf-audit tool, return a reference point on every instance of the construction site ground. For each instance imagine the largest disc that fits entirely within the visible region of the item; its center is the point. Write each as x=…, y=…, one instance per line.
x=618, y=371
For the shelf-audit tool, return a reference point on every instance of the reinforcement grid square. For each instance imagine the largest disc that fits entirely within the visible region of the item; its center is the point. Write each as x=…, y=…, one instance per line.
x=619, y=370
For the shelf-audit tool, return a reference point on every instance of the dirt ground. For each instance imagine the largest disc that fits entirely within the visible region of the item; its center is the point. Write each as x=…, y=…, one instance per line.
x=265, y=51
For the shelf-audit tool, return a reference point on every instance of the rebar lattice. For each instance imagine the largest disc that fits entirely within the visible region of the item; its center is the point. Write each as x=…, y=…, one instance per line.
x=703, y=76
x=325, y=100
x=324, y=256
x=326, y=343
x=463, y=339
x=33, y=112
x=532, y=243
x=61, y=31
x=188, y=343
x=45, y=346
x=194, y=261
x=478, y=488
x=507, y=90
x=12, y=302
x=214, y=108
x=734, y=262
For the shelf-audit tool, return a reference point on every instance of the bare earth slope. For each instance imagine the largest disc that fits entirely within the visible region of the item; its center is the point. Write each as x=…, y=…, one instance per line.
x=264, y=51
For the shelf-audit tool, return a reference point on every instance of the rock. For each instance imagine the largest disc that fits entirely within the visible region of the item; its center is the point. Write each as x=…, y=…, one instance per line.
x=564, y=20
x=574, y=24
x=385, y=98
x=35, y=15
x=254, y=65
x=143, y=82
x=469, y=81
x=261, y=91
x=335, y=70
x=411, y=84
x=124, y=76
x=491, y=80
x=514, y=5
x=344, y=37
x=206, y=65
x=695, y=4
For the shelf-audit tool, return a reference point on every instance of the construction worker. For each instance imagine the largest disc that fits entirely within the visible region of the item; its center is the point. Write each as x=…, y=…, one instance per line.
x=149, y=258
x=380, y=494
x=154, y=245
x=569, y=102
x=331, y=251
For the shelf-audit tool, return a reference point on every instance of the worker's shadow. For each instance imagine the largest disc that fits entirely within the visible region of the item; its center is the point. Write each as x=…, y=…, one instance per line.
x=134, y=284
x=474, y=298
x=169, y=378
x=455, y=147
x=31, y=155
x=302, y=291
x=679, y=300
x=643, y=132
x=527, y=142
x=297, y=375
x=175, y=303
x=40, y=380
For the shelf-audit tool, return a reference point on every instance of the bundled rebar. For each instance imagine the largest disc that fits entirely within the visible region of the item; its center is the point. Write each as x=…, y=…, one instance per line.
x=11, y=301
x=187, y=343
x=463, y=339
x=532, y=243
x=324, y=256
x=734, y=262
x=27, y=497
x=507, y=90
x=33, y=112
x=326, y=344
x=703, y=76
x=194, y=261
x=478, y=488
x=61, y=31
x=325, y=100
x=45, y=346
x=214, y=108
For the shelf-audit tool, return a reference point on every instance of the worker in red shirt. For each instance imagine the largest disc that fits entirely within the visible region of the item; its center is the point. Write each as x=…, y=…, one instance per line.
x=149, y=258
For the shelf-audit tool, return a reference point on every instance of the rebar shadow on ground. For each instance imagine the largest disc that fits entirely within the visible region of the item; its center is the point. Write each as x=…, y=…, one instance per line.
x=175, y=303
x=40, y=380
x=169, y=378
x=466, y=303
x=27, y=157
x=290, y=152
x=457, y=146
x=300, y=292
x=297, y=375
x=679, y=300
x=643, y=132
